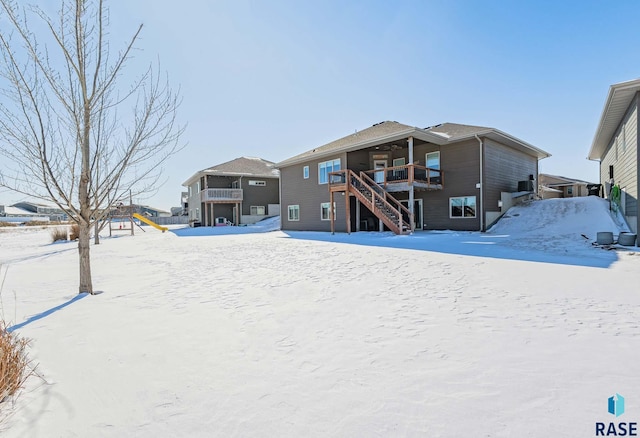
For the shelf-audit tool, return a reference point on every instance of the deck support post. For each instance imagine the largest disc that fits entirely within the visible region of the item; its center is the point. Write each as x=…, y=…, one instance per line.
x=357, y=215
x=347, y=209
x=411, y=193
x=331, y=215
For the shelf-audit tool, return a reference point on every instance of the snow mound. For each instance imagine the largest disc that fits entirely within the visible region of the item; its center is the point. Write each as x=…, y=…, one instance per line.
x=555, y=218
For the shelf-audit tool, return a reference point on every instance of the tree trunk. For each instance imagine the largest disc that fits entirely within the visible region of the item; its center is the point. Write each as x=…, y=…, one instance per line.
x=96, y=239
x=85, y=264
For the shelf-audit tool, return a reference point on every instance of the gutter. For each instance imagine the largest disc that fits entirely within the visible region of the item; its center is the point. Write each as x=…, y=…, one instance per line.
x=481, y=183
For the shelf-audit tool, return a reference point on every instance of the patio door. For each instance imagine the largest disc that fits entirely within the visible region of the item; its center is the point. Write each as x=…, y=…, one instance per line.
x=417, y=212
x=379, y=176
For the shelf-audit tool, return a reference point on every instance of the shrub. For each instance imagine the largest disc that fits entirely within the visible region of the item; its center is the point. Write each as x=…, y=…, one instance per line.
x=75, y=232
x=58, y=233
x=7, y=224
x=14, y=364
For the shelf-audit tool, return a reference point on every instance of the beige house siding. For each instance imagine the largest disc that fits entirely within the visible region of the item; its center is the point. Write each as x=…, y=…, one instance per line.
x=622, y=154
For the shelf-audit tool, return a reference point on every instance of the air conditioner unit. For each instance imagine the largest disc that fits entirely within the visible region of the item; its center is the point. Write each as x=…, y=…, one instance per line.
x=525, y=186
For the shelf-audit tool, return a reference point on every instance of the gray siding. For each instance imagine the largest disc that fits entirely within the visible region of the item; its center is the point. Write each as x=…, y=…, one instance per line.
x=622, y=154
x=308, y=194
x=460, y=163
x=503, y=168
x=220, y=182
x=259, y=195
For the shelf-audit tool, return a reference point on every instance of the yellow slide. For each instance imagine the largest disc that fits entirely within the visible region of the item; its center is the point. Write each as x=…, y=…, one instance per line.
x=147, y=221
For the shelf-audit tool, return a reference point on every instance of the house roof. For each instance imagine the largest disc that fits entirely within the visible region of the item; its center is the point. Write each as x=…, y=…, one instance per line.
x=148, y=207
x=243, y=166
x=386, y=132
x=455, y=132
x=11, y=210
x=615, y=107
x=561, y=180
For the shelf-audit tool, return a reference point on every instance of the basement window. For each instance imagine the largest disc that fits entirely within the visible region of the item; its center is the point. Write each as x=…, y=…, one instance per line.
x=462, y=207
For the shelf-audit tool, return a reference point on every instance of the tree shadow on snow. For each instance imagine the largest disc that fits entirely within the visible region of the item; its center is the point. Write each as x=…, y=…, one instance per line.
x=575, y=252
x=41, y=315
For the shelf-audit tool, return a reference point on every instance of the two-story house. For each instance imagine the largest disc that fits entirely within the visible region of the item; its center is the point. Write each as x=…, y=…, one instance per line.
x=240, y=191
x=402, y=178
x=616, y=145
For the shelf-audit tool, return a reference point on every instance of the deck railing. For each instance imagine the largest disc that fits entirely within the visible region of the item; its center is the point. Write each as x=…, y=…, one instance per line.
x=221, y=195
x=408, y=174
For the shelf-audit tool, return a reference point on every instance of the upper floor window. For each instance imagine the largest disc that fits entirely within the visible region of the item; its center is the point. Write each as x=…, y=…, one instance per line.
x=305, y=172
x=253, y=182
x=325, y=168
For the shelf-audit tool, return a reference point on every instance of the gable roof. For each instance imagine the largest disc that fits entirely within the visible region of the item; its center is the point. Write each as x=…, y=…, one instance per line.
x=243, y=166
x=615, y=107
x=546, y=179
x=379, y=133
x=386, y=132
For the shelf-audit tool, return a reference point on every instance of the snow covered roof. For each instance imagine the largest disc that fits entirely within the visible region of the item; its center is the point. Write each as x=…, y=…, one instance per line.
x=17, y=211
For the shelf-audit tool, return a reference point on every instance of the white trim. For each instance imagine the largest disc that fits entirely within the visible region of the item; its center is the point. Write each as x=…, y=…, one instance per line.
x=324, y=205
x=475, y=209
x=333, y=168
x=291, y=208
x=420, y=201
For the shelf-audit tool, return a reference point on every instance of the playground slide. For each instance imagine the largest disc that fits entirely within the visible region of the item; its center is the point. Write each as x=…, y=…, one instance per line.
x=147, y=221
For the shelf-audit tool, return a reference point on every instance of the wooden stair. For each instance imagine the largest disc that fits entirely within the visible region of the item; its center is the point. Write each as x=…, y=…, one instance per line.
x=384, y=206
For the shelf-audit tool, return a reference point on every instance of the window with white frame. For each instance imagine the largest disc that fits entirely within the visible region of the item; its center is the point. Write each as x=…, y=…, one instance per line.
x=257, y=210
x=462, y=207
x=432, y=161
x=294, y=212
x=305, y=172
x=325, y=168
x=399, y=173
x=253, y=182
x=325, y=214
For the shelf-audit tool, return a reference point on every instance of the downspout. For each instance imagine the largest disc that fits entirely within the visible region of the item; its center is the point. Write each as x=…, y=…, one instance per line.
x=481, y=183
x=239, y=206
x=411, y=189
x=280, y=198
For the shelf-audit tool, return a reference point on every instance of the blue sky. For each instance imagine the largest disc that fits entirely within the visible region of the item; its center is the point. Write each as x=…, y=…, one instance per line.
x=274, y=79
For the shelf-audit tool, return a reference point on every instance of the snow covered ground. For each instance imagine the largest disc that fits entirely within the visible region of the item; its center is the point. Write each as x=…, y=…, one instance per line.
x=524, y=331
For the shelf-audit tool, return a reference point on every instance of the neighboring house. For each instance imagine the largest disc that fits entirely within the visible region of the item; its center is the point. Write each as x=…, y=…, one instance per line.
x=147, y=211
x=615, y=145
x=183, y=210
x=240, y=191
x=17, y=214
x=54, y=213
x=448, y=176
x=554, y=186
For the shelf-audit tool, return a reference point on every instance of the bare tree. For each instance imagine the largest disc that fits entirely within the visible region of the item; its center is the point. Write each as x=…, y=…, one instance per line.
x=70, y=133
